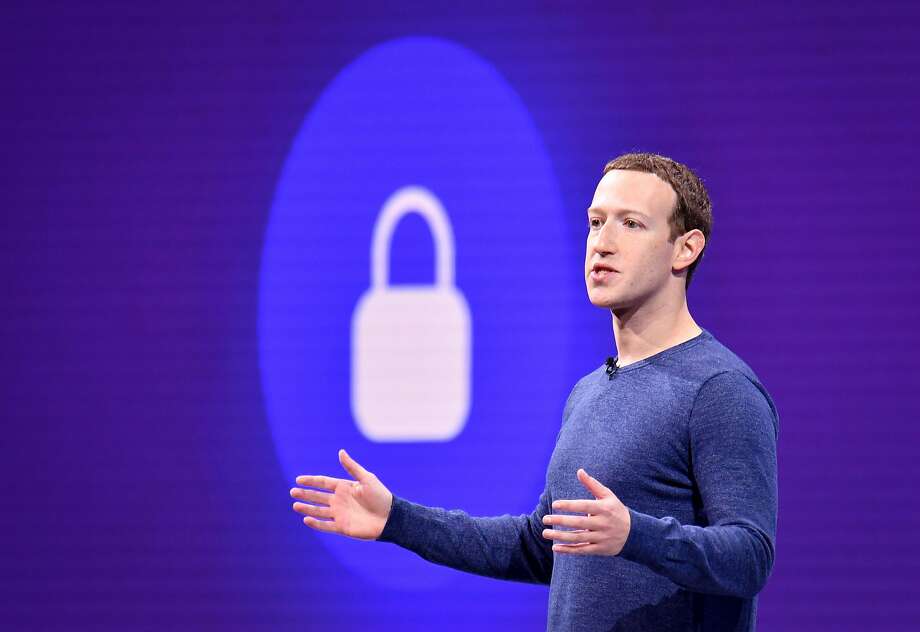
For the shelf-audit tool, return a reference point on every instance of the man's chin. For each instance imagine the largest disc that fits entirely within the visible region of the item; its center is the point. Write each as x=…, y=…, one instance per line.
x=604, y=302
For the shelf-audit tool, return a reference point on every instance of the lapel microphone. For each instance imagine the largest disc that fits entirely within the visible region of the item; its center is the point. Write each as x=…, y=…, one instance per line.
x=611, y=367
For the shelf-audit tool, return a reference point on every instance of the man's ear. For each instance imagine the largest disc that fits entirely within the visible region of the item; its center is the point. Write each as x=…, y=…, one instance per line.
x=689, y=247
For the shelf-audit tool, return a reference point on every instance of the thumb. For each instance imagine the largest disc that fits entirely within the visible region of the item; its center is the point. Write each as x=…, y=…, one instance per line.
x=352, y=467
x=594, y=486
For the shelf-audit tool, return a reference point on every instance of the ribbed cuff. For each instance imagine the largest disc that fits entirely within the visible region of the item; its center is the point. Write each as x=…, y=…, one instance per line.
x=396, y=522
x=646, y=540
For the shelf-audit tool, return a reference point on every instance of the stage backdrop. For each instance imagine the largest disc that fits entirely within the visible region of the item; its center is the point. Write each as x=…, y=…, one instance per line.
x=221, y=224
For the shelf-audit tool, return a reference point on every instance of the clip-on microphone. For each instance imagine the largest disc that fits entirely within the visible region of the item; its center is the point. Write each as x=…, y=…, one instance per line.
x=611, y=367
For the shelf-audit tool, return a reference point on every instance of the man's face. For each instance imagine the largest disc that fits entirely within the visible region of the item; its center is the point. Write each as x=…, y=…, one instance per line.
x=628, y=232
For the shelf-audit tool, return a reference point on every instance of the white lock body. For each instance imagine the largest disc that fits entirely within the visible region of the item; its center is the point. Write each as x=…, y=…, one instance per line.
x=411, y=344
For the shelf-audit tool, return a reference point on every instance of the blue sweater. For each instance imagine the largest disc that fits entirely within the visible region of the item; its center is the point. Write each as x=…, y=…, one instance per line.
x=686, y=439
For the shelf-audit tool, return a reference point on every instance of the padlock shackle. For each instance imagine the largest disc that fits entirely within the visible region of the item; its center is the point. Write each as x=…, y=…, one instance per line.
x=402, y=202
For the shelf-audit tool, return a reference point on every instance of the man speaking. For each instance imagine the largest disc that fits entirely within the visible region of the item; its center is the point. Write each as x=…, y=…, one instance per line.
x=659, y=511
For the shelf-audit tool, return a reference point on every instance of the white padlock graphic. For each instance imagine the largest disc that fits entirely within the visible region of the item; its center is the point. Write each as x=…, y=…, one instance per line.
x=411, y=344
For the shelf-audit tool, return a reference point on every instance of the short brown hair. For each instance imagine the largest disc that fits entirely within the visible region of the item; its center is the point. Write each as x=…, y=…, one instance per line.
x=693, y=209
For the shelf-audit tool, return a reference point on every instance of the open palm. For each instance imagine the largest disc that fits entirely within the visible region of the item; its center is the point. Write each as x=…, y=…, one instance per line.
x=356, y=508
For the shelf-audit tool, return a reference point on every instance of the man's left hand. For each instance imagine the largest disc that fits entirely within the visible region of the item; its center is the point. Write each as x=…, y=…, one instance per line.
x=603, y=531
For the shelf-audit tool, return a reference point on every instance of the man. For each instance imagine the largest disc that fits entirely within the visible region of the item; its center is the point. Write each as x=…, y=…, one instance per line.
x=659, y=511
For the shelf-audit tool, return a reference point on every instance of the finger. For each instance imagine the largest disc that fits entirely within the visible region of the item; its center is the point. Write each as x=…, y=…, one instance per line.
x=352, y=467
x=576, y=522
x=568, y=536
x=577, y=549
x=322, y=482
x=314, y=496
x=328, y=526
x=576, y=506
x=593, y=485
x=313, y=510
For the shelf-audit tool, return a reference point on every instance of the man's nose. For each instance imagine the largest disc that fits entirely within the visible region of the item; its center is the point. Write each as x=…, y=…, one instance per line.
x=606, y=240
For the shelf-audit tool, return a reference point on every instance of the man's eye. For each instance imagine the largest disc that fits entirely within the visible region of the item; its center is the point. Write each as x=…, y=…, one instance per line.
x=591, y=222
x=632, y=223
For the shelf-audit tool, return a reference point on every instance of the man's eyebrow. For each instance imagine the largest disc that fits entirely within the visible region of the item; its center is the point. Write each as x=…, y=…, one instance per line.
x=622, y=211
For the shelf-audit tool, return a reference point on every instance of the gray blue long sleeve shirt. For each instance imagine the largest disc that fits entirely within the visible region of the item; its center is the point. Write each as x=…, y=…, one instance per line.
x=686, y=439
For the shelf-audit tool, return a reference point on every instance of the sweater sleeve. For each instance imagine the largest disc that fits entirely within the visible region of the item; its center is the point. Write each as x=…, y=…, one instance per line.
x=733, y=431
x=504, y=547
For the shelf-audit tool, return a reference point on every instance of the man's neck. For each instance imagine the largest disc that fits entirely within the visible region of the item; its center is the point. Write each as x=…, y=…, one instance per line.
x=651, y=329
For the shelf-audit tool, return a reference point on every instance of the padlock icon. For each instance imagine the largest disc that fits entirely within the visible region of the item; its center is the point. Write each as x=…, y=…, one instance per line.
x=411, y=344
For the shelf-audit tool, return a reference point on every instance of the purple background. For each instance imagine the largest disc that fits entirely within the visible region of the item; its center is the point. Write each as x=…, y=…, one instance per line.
x=143, y=146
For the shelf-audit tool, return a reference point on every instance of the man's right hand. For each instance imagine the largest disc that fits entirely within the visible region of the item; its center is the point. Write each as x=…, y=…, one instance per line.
x=358, y=509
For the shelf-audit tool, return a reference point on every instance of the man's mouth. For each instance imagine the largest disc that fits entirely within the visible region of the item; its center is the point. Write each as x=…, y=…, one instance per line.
x=601, y=272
